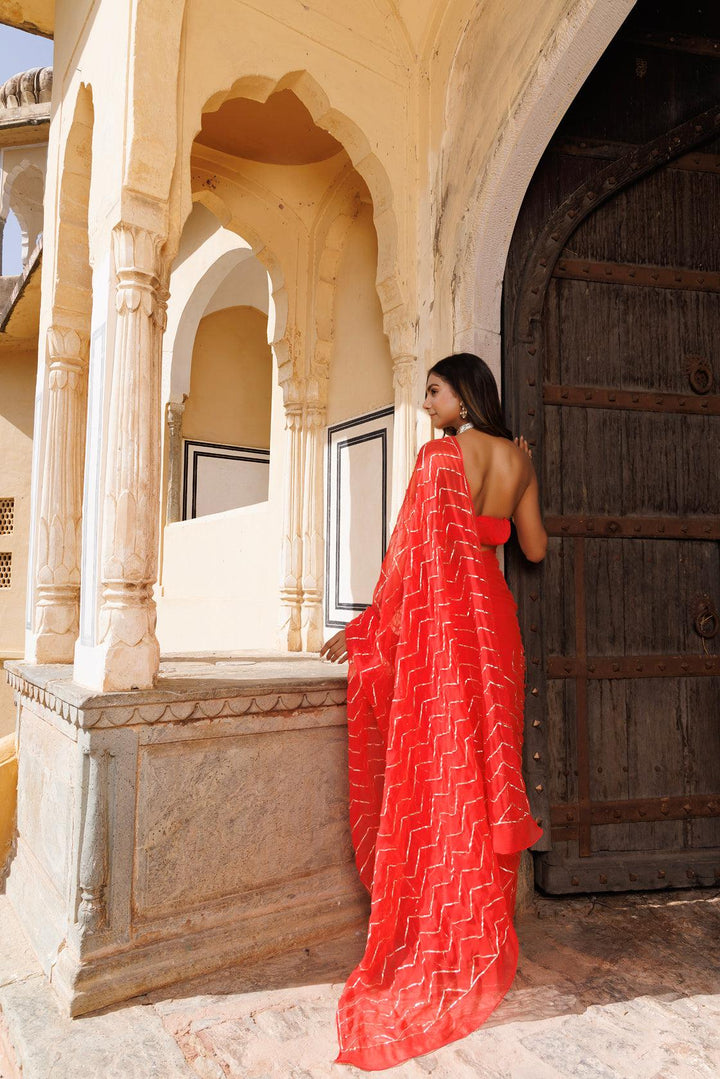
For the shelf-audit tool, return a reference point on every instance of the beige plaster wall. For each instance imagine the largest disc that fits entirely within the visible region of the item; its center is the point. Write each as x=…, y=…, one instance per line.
x=361, y=367
x=17, y=372
x=219, y=585
x=230, y=381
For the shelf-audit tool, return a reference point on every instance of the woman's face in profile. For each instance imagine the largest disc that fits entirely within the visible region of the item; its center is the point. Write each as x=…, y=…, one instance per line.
x=441, y=403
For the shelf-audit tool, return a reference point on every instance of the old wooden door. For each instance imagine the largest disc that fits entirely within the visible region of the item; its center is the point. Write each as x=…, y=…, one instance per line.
x=612, y=369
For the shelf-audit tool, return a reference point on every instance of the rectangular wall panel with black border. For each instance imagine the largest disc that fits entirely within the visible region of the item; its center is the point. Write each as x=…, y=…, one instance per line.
x=357, y=484
x=217, y=478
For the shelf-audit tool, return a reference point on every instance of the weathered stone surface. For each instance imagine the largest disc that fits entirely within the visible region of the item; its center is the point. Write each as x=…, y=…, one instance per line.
x=184, y=829
x=275, y=1019
x=127, y=1044
x=206, y=825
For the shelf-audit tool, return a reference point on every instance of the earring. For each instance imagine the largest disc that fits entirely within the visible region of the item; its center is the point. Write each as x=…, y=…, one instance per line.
x=463, y=412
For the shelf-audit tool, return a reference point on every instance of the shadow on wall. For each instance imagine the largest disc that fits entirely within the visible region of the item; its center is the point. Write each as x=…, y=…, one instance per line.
x=16, y=400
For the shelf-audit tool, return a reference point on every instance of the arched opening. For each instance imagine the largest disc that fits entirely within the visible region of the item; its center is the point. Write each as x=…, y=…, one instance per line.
x=21, y=211
x=484, y=171
x=253, y=354
x=610, y=319
x=221, y=373
x=12, y=246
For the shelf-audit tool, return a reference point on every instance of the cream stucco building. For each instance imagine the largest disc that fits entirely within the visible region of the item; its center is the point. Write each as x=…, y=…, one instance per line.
x=262, y=224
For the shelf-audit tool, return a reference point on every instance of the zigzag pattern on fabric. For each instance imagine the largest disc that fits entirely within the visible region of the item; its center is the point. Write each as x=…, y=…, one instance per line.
x=438, y=809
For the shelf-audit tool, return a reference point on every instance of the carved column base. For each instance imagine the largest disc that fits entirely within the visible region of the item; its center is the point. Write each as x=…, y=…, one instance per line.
x=313, y=625
x=56, y=613
x=128, y=654
x=290, y=636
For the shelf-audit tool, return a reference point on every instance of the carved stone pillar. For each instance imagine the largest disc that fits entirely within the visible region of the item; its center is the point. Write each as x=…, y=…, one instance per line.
x=292, y=550
x=405, y=374
x=57, y=562
x=174, y=416
x=313, y=545
x=126, y=619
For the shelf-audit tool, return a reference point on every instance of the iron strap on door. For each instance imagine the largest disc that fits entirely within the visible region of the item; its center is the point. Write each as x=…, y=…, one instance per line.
x=701, y=528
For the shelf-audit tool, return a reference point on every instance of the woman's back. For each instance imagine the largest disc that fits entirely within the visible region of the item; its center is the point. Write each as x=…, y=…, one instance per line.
x=502, y=483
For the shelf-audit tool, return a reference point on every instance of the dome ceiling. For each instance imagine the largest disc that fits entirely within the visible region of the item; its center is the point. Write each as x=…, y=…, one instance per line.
x=279, y=131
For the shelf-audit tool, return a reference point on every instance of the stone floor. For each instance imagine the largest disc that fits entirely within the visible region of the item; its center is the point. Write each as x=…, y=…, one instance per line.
x=609, y=987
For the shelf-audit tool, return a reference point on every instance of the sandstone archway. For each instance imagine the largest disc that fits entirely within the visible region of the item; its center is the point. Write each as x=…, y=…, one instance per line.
x=486, y=193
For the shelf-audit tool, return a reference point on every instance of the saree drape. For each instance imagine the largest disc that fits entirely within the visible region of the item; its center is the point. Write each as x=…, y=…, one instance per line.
x=438, y=809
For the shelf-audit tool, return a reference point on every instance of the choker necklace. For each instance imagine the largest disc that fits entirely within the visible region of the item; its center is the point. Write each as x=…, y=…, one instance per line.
x=464, y=427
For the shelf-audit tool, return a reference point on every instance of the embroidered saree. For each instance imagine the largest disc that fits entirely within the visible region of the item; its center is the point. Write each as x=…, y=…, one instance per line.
x=438, y=809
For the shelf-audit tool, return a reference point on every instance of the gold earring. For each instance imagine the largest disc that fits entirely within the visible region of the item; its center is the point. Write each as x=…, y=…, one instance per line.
x=463, y=412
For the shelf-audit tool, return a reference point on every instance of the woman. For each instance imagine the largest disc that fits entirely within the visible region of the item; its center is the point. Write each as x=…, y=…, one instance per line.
x=438, y=809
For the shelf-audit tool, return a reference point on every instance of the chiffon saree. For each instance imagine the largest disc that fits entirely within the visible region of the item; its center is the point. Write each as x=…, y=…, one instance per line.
x=438, y=809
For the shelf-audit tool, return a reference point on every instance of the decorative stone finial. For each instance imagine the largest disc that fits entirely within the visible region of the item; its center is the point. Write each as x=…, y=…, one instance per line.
x=30, y=87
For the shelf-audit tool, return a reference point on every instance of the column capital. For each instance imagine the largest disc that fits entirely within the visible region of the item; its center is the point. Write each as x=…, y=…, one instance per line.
x=136, y=250
x=66, y=343
x=174, y=411
x=404, y=372
x=402, y=335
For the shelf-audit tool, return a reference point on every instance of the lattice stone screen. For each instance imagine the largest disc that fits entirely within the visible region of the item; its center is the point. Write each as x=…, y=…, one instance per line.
x=5, y=569
x=7, y=515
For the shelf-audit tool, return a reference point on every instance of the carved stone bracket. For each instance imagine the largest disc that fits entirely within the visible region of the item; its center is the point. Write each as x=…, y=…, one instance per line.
x=60, y=512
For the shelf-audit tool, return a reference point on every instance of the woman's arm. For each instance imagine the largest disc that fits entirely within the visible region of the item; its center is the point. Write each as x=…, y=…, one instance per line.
x=527, y=517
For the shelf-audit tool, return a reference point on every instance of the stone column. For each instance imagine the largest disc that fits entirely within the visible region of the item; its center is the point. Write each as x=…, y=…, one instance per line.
x=174, y=416
x=57, y=562
x=292, y=556
x=313, y=544
x=405, y=374
x=126, y=654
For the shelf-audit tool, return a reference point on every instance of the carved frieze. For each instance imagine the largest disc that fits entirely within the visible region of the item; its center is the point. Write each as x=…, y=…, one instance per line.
x=121, y=714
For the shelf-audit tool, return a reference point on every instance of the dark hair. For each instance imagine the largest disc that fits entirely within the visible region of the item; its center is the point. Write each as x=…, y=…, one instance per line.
x=474, y=383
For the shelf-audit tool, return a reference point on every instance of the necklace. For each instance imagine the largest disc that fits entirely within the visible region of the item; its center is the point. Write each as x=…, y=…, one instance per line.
x=464, y=427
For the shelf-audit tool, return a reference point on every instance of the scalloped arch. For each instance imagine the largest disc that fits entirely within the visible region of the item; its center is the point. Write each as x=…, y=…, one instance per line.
x=365, y=161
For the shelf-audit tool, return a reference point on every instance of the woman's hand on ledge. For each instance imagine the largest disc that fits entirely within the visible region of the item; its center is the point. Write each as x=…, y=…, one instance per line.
x=335, y=649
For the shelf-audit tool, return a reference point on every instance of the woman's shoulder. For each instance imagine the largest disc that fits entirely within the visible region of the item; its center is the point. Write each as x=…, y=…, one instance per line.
x=435, y=453
x=437, y=447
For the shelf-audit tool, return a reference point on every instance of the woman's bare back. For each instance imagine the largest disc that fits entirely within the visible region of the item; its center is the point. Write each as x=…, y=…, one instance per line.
x=503, y=483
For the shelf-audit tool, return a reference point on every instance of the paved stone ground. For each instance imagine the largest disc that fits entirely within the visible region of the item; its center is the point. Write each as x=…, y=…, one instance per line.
x=609, y=987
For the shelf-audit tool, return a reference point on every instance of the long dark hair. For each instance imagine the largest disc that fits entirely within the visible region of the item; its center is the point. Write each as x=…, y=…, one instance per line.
x=474, y=383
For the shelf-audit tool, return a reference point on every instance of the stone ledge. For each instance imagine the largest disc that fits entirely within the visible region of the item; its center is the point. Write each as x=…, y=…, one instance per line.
x=188, y=688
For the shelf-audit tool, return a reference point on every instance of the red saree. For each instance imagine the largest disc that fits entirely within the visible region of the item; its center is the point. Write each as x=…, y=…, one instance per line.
x=438, y=809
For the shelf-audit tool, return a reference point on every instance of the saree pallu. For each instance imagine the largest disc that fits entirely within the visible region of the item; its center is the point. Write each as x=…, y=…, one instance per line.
x=438, y=809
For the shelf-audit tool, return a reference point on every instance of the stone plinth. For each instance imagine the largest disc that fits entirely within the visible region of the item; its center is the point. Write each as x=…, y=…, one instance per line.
x=171, y=832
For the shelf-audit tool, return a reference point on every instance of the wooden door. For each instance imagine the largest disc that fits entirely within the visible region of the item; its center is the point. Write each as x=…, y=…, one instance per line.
x=612, y=369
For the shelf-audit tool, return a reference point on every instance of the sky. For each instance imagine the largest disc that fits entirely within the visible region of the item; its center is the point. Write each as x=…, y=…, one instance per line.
x=18, y=52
